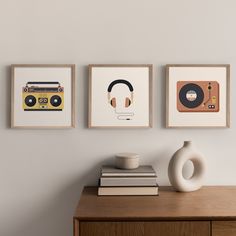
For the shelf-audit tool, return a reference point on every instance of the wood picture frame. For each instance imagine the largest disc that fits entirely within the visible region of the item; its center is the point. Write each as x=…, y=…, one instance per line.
x=213, y=112
x=32, y=79
x=107, y=75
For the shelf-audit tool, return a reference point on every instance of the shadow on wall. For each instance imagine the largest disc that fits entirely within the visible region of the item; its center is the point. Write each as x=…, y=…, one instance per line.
x=56, y=216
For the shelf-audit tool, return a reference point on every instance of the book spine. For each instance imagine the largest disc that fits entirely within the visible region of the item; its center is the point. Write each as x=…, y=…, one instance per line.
x=128, y=174
x=106, y=181
x=123, y=191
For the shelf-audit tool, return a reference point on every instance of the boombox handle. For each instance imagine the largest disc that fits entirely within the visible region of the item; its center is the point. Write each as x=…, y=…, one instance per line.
x=43, y=83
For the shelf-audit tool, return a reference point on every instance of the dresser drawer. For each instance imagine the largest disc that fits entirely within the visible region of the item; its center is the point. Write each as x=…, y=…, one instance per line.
x=163, y=228
x=178, y=228
x=223, y=228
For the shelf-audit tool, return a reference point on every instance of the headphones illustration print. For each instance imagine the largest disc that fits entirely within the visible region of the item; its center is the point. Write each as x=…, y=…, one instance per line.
x=127, y=102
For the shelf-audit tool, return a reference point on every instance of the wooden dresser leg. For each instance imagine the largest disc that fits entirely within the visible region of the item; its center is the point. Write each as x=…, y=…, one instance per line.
x=76, y=227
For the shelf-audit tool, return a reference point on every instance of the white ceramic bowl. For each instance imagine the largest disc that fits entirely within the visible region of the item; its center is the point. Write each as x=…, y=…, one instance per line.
x=127, y=160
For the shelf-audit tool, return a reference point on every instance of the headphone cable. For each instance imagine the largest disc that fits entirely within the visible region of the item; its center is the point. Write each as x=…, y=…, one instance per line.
x=124, y=114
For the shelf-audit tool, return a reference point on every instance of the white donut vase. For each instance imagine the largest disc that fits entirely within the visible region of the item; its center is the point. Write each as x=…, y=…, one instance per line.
x=175, y=169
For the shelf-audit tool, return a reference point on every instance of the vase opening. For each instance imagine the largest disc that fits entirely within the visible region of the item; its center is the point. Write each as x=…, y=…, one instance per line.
x=188, y=170
x=187, y=143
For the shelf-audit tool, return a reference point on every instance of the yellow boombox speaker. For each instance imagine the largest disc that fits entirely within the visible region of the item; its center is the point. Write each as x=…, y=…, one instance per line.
x=43, y=96
x=128, y=101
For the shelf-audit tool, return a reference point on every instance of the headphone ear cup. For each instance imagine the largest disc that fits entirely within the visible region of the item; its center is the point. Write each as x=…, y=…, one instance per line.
x=113, y=102
x=127, y=102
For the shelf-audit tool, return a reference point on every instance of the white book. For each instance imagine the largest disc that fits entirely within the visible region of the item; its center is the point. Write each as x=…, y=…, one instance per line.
x=109, y=191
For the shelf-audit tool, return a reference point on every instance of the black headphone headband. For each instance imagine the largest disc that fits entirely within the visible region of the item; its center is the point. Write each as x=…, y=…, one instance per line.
x=120, y=81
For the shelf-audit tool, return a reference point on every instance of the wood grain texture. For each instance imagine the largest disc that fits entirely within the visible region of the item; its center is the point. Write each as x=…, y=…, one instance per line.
x=130, y=228
x=98, y=228
x=185, y=228
x=111, y=228
x=75, y=227
x=209, y=203
x=223, y=228
x=179, y=228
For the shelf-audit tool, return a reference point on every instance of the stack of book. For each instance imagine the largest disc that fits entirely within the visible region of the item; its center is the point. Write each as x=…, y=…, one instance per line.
x=140, y=181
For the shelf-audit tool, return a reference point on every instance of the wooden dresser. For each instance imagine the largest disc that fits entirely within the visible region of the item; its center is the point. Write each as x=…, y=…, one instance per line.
x=210, y=211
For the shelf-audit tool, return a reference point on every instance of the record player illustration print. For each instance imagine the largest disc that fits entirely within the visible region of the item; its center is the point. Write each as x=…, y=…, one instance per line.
x=198, y=96
x=43, y=96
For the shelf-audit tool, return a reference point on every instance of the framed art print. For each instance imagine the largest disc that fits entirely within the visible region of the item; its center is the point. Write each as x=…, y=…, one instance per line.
x=120, y=95
x=43, y=96
x=198, y=95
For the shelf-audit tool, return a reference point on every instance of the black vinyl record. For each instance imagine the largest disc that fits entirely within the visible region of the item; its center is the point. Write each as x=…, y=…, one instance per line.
x=30, y=101
x=192, y=89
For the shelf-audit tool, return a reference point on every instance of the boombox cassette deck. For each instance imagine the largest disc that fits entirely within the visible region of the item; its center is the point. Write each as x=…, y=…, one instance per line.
x=43, y=96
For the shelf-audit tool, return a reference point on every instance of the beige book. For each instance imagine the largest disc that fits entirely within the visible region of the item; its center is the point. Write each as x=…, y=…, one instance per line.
x=106, y=191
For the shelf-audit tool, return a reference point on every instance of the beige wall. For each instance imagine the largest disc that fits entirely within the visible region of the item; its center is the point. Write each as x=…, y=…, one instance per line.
x=43, y=171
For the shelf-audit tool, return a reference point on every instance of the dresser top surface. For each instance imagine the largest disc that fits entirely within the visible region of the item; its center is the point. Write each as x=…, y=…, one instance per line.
x=207, y=203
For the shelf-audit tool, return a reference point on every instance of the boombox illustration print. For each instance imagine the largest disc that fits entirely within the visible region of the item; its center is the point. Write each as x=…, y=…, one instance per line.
x=43, y=96
x=198, y=96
